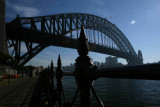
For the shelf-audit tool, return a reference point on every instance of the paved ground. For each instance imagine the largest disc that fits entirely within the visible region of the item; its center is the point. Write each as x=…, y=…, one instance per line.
x=18, y=93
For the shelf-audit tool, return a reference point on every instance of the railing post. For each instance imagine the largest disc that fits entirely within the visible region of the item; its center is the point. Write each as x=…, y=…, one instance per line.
x=83, y=63
x=48, y=85
x=59, y=78
x=51, y=89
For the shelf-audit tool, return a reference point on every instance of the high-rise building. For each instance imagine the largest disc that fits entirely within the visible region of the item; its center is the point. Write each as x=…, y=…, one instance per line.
x=96, y=63
x=111, y=61
x=39, y=68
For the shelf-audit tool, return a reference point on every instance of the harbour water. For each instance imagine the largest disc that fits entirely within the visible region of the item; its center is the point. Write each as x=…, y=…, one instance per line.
x=119, y=92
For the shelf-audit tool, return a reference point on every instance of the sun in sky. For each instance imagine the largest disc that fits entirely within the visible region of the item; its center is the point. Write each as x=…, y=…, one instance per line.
x=133, y=22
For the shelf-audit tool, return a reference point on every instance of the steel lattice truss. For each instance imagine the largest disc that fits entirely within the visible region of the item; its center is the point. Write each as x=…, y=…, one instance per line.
x=58, y=26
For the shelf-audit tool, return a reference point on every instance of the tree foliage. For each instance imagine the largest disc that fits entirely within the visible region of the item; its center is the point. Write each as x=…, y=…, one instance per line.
x=8, y=60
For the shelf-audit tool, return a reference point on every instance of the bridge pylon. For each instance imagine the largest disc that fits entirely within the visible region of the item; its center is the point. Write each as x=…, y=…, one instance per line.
x=136, y=60
x=3, y=43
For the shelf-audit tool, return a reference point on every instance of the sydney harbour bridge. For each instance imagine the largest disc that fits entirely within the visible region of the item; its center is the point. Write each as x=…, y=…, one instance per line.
x=37, y=33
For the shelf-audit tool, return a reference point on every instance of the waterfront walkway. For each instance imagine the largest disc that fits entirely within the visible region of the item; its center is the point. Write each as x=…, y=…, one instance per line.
x=18, y=93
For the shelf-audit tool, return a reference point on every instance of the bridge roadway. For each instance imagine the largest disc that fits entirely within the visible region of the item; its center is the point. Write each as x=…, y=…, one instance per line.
x=46, y=39
x=17, y=94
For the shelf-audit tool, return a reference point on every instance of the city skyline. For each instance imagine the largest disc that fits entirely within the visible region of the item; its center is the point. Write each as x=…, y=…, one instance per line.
x=138, y=20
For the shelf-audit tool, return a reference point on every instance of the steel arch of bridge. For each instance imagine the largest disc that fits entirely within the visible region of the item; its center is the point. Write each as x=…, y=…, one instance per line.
x=57, y=26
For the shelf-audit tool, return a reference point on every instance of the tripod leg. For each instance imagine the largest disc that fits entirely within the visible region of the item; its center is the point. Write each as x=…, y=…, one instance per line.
x=75, y=96
x=100, y=103
x=63, y=92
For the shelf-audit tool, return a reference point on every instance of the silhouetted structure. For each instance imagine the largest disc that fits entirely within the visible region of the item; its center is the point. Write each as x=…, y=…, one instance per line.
x=54, y=29
x=84, y=74
x=83, y=64
x=59, y=76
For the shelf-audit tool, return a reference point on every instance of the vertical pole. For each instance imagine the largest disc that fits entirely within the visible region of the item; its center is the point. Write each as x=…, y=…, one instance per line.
x=70, y=25
x=54, y=26
x=104, y=40
x=83, y=63
x=19, y=49
x=9, y=61
x=86, y=32
x=89, y=35
x=65, y=24
x=59, y=78
x=77, y=26
x=62, y=25
x=52, y=94
x=107, y=41
x=16, y=49
x=58, y=26
x=112, y=43
x=77, y=33
x=94, y=36
x=48, y=86
x=50, y=26
x=98, y=37
x=101, y=38
x=22, y=72
x=9, y=76
x=43, y=25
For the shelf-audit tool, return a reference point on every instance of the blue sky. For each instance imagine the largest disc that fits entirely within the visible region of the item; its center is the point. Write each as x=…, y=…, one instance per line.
x=139, y=20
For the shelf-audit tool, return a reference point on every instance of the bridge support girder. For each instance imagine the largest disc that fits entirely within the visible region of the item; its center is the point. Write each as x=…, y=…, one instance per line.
x=135, y=61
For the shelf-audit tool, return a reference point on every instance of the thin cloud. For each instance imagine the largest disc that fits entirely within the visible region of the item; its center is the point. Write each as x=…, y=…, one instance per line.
x=8, y=4
x=28, y=1
x=38, y=60
x=133, y=22
x=10, y=15
x=23, y=10
x=26, y=11
x=100, y=2
x=48, y=52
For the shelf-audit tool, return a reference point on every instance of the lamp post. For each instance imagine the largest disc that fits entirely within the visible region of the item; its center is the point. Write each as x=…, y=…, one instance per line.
x=22, y=71
x=9, y=61
x=18, y=69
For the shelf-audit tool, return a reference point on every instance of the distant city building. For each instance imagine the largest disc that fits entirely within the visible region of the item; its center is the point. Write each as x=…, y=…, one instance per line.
x=39, y=68
x=96, y=63
x=103, y=65
x=111, y=61
x=69, y=68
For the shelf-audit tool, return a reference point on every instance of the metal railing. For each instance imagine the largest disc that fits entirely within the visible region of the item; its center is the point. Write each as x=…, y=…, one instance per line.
x=85, y=73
